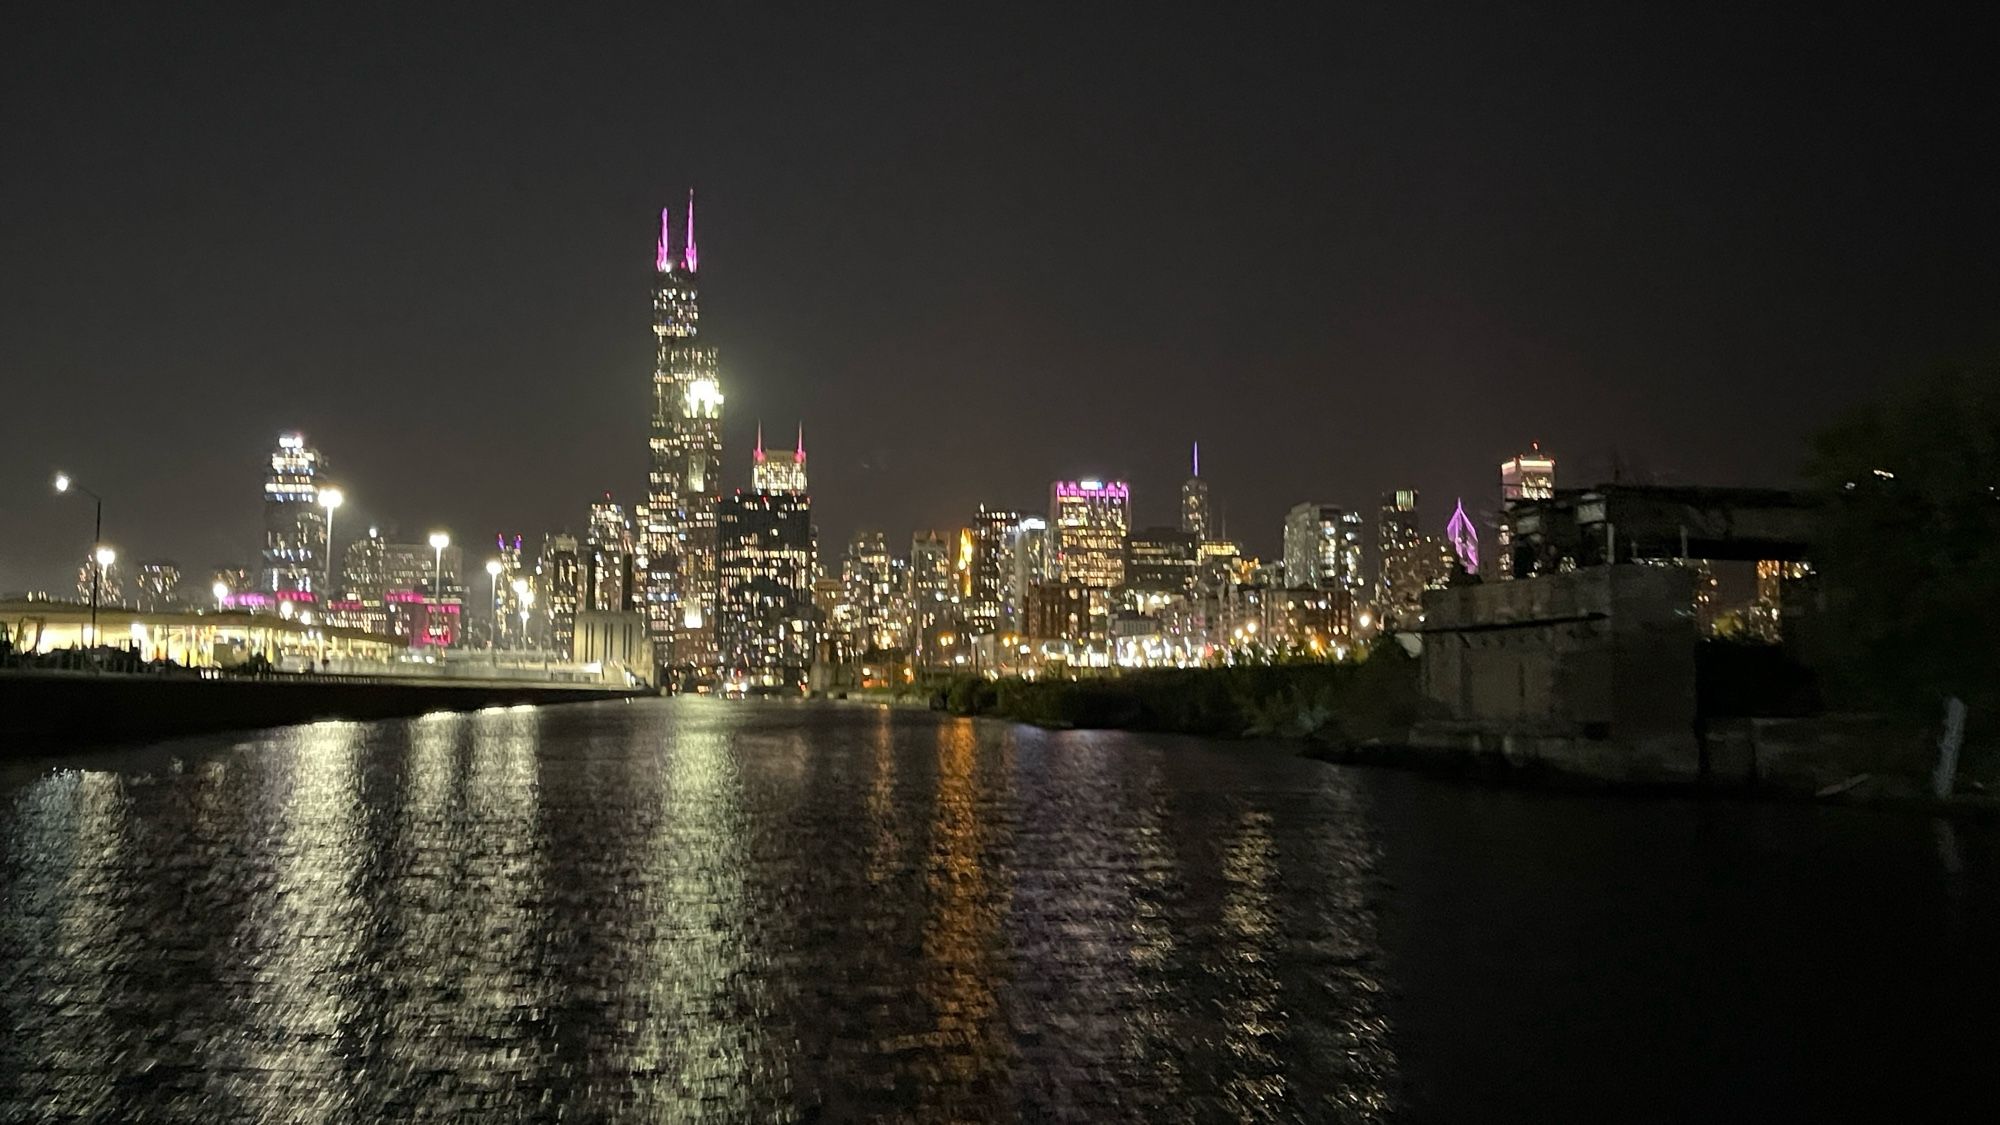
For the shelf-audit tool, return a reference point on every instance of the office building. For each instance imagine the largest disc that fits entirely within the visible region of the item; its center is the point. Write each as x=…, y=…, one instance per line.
x=1528, y=476
x=766, y=620
x=559, y=577
x=610, y=581
x=1322, y=548
x=1088, y=523
x=874, y=595
x=159, y=586
x=778, y=470
x=684, y=482
x=1408, y=562
x=994, y=536
x=1161, y=562
x=294, y=523
x=1196, y=518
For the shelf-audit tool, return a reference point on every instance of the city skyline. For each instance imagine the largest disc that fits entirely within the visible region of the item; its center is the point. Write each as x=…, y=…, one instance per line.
x=459, y=328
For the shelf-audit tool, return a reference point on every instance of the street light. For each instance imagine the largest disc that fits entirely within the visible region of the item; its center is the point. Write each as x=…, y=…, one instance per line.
x=221, y=592
x=330, y=499
x=439, y=541
x=65, y=484
x=493, y=569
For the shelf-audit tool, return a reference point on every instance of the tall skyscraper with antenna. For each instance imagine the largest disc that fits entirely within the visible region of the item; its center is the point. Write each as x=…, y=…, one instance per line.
x=1196, y=517
x=684, y=481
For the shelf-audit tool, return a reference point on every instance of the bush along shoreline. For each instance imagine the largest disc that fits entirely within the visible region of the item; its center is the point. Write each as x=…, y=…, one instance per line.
x=1329, y=704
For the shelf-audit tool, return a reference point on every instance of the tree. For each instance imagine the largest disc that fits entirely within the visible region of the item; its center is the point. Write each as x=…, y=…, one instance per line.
x=1908, y=554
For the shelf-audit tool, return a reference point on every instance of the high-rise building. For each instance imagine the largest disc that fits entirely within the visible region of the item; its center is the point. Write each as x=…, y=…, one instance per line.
x=995, y=532
x=778, y=470
x=872, y=594
x=1528, y=476
x=684, y=483
x=1318, y=552
x=1409, y=562
x=159, y=586
x=1196, y=518
x=110, y=585
x=1525, y=476
x=1088, y=522
x=394, y=587
x=294, y=523
x=610, y=583
x=1030, y=568
x=559, y=577
x=510, y=593
x=1161, y=561
x=766, y=623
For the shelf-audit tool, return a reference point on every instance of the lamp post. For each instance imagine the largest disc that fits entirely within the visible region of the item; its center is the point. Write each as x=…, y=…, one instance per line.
x=221, y=592
x=65, y=484
x=439, y=541
x=103, y=557
x=493, y=580
x=330, y=499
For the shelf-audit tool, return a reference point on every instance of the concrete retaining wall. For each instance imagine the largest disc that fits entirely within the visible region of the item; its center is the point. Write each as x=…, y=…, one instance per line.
x=1590, y=672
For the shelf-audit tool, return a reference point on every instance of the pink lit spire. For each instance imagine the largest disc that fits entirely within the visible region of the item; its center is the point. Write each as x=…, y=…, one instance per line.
x=759, y=455
x=687, y=254
x=1464, y=539
x=664, y=259
x=802, y=443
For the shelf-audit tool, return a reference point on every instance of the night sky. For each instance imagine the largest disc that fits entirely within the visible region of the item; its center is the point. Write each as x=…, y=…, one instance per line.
x=973, y=248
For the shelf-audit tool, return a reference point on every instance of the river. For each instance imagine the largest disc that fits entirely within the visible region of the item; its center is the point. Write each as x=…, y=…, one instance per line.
x=699, y=910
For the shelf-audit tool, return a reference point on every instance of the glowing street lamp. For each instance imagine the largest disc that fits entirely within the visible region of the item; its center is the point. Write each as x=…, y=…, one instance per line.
x=65, y=484
x=493, y=576
x=221, y=592
x=439, y=541
x=330, y=499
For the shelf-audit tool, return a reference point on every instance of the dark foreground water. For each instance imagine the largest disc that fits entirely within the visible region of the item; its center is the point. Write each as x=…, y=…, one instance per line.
x=693, y=910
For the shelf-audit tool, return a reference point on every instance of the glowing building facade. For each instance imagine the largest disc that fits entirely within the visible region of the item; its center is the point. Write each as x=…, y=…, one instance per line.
x=294, y=523
x=1088, y=523
x=684, y=482
x=777, y=470
x=766, y=621
x=1527, y=476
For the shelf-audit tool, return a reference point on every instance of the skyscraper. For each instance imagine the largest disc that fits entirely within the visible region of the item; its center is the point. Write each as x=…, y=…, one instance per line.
x=994, y=531
x=1528, y=476
x=1410, y=562
x=1322, y=548
x=684, y=483
x=610, y=583
x=1088, y=522
x=294, y=523
x=766, y=622
x=777, y=470
x=1525, y=476
x=1196, y=519
x=871, y=591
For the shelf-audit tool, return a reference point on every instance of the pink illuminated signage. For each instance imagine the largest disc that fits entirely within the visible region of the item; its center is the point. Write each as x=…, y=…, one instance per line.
x=1116, y=489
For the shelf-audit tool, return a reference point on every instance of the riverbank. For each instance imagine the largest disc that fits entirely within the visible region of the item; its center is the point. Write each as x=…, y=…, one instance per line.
x=44, y=711
x=1363, y=713
x=1325, y=702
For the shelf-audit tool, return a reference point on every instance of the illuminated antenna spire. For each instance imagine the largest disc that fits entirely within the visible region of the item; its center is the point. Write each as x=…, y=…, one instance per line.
x=664, y=259
x=1197, y=458
x=802, y=441
x=687, y=253
x=759, y=455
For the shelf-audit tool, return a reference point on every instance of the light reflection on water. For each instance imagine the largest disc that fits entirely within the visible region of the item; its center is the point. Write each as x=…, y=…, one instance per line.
x=685, y=910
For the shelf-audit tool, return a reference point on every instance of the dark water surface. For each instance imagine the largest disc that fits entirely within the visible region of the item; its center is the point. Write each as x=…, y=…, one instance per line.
x=694, y=910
